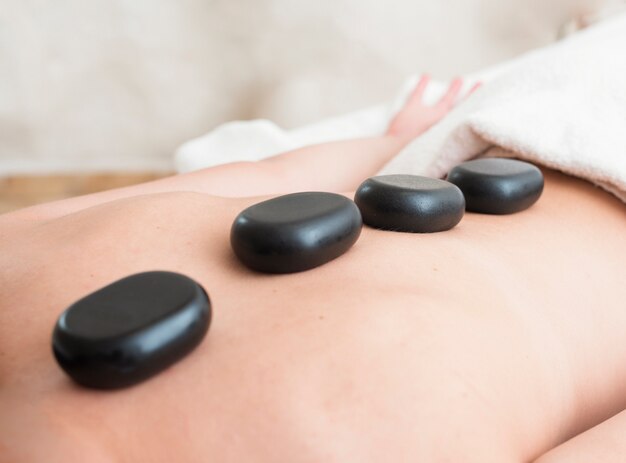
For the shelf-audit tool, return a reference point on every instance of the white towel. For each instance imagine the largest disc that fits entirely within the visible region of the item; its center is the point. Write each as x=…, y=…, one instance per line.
x=563, y=106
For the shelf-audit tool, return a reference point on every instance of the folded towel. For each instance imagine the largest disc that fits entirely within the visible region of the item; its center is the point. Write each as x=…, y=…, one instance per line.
x=563, y=106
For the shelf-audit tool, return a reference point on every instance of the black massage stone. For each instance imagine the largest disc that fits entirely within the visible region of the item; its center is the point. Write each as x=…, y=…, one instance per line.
x=131, y=329
x=410, y=203
x=295, y=232
x=498, y=185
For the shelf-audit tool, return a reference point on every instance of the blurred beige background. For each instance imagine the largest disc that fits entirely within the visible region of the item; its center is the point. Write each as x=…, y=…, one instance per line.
x=116, y=85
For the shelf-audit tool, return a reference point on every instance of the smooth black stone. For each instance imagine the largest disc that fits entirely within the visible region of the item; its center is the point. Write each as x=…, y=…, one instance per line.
x=295, y=232
x=131, y=329
x=410, y=203
x=498, y=185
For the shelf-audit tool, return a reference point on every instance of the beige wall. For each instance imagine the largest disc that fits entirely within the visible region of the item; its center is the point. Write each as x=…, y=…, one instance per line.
x=113, y=84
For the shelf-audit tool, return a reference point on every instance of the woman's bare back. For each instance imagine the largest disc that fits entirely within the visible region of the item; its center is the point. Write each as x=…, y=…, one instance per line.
x=490, y=342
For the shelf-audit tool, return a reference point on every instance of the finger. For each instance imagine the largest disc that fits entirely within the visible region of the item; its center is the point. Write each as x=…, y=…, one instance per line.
x=449, y=99
x=418, y=91
x=604, y=443
x=475, y=87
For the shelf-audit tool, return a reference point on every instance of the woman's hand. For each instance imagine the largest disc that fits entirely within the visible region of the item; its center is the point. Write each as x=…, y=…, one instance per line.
x=415, y=117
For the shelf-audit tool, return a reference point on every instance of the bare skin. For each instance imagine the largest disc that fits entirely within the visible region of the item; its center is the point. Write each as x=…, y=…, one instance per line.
x=494, y=342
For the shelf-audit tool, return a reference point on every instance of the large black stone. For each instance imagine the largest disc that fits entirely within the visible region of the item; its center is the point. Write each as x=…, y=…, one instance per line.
x=498, y=185
x=131, y=329
x=295, y=232
x=410, y=203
